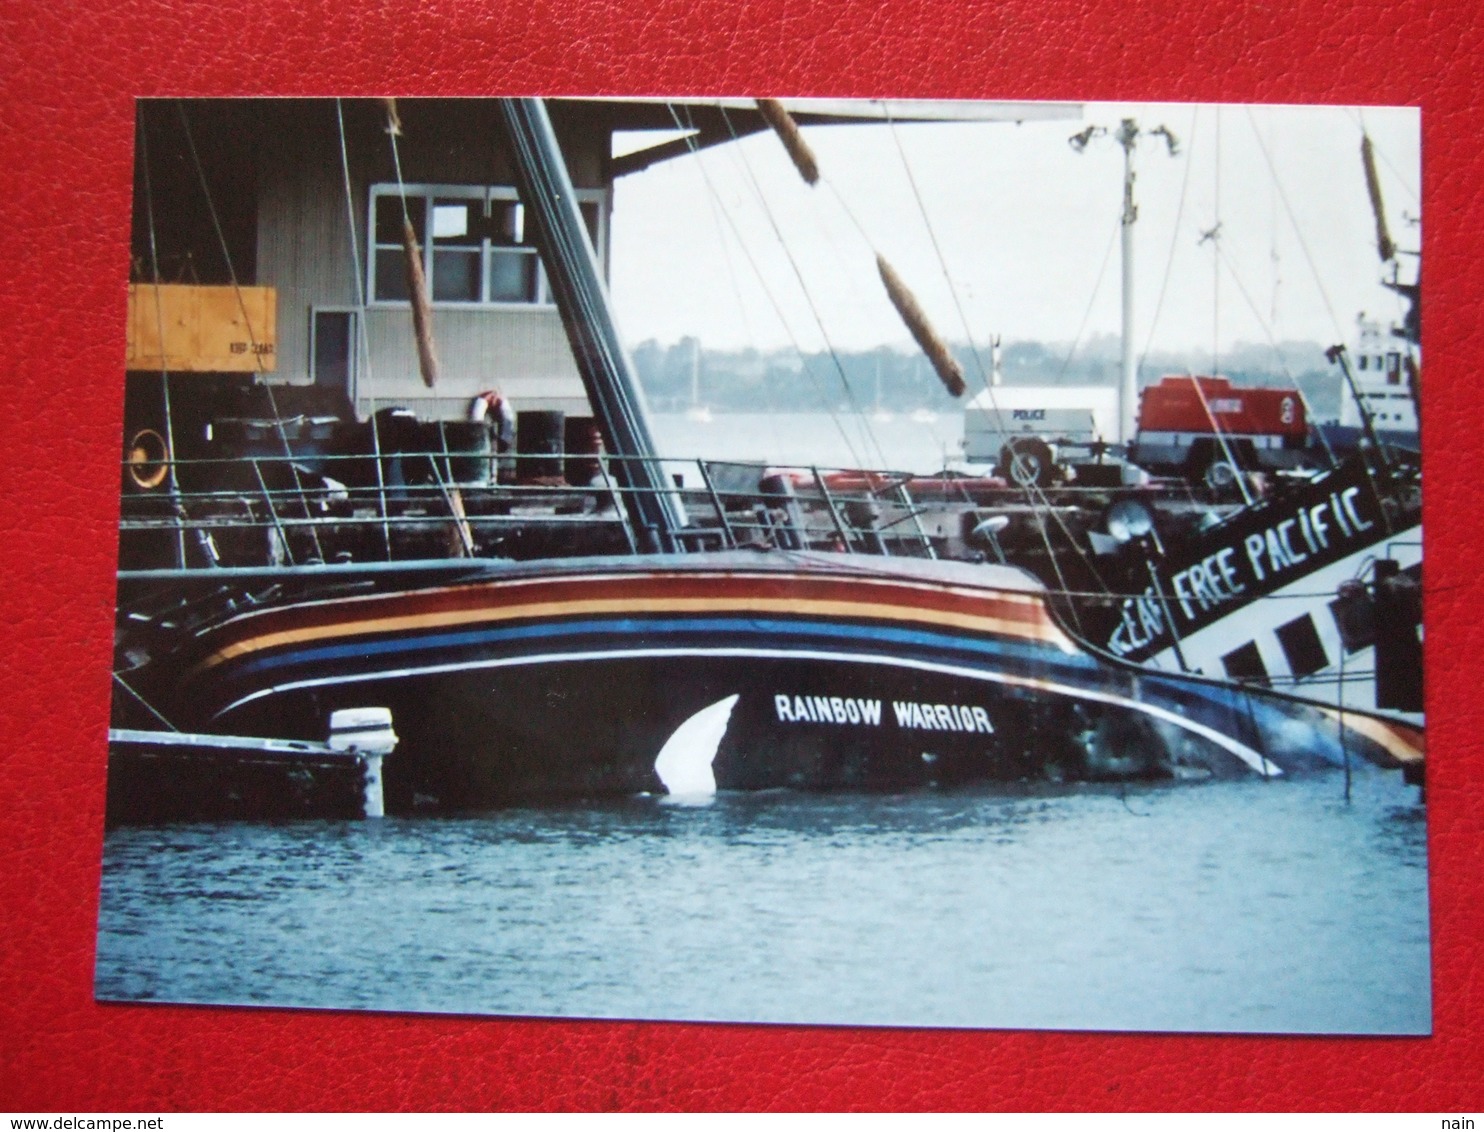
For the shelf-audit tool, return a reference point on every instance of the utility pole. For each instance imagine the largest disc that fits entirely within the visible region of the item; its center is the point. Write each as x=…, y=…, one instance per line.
x=1128, y=388
x=1127, y=136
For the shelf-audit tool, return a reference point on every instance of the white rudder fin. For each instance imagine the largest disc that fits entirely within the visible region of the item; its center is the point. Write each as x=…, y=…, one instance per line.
x=684, y=762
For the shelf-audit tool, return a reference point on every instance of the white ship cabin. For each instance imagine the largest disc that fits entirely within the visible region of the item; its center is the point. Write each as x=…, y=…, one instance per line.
x=306, y=289
x=269, y=273
x=1379, y=364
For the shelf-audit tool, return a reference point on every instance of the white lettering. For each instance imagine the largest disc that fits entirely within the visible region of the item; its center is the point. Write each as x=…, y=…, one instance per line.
x=831, y=709
x=1320, y=524
x=935, y=717
x=1285, y=529
x=1276, y=557
x=1182, y=594
x=1254, y=554
x=1339, y=514
x=1229, y=572
x=1303, y=517
x=1200, y=583
x=1151, y=617
x=1126, y=636
x=1347, y=498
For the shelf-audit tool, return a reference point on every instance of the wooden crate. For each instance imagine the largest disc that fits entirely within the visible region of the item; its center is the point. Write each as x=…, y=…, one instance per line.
x=205, y=329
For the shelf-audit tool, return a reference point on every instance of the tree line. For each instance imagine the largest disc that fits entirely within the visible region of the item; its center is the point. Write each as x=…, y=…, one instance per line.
x=687, y=374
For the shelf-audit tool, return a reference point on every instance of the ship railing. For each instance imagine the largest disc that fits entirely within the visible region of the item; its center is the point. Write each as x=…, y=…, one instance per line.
x=283, y=510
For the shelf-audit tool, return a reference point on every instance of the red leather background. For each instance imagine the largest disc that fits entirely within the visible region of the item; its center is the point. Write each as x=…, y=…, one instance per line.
x=69, y=72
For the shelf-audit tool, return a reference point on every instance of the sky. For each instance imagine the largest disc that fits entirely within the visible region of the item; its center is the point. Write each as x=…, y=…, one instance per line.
x=1004, y=229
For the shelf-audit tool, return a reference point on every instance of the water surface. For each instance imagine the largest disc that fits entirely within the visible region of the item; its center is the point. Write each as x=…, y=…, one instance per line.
x=1235, y=906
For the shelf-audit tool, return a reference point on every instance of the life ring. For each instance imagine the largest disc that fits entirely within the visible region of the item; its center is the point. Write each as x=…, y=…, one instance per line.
x=1221, y=475
x=492, y=409
x=147, y=459
x=1027, y=462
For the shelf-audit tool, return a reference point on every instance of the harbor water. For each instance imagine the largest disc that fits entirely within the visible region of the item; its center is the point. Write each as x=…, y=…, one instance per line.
x=1273, y=906
x=920, y=441
x=1253, y=906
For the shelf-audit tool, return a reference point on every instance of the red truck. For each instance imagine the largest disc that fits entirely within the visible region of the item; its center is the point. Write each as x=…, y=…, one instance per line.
x=1210, y=431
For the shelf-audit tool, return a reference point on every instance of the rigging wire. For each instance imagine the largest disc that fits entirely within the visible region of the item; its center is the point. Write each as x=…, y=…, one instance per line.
x=767, y=291
x=1035, y=497
x=149, y=707
x=1215, y=237
x=363, y=333
x=984, y=373
x=1092, y=298
x=154, y=259
x=1277, y=351
x=804, y=288
x=1403, y=181
x=1297, y=229
x=1034, y=494
x=247, y=323
x=713, y=195
x=1164, y=285
x=1308, y=255
x=714, y=208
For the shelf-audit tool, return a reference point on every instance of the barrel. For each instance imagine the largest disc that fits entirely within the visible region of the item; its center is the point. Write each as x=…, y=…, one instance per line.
x=583, y=443
x=538, y=443
x=468, y=446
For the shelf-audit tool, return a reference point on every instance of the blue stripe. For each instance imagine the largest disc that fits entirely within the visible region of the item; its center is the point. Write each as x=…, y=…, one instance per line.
x=779, y=633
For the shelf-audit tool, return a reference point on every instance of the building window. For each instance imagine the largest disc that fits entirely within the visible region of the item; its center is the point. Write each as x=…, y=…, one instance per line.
x=475, y=246
x=1393, y=369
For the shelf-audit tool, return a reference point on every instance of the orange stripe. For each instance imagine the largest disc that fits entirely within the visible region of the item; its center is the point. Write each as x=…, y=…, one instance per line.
x=1402, y=741
x=1026, y=606
x=1042, y=630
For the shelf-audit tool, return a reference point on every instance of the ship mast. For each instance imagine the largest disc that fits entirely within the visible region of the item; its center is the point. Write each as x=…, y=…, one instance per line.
x=1128, y=387
x=1127, y=136
x=577, y=286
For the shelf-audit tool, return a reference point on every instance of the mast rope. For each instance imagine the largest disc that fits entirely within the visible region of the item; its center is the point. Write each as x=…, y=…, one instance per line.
x=417, y=280
x=1034, y=495
x=251, y=338
x=363, y=333
x=773, y=301
x=804, y=288
x=149, y=707
x=1174, y=239
x=1297, y=230
x=154, y=259
x=1277, y=351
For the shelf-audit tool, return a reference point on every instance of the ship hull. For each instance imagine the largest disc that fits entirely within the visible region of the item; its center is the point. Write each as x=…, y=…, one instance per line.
x=800, y=671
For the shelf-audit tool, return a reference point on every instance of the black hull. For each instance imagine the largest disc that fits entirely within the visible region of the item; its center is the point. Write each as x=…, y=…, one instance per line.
x=596, y=727
x=809, y=673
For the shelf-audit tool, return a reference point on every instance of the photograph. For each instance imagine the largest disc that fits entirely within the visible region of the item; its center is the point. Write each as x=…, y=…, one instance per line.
x=794, y=561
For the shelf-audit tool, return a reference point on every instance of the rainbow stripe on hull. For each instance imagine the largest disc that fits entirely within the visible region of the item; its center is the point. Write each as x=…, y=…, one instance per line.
x=569, y=678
